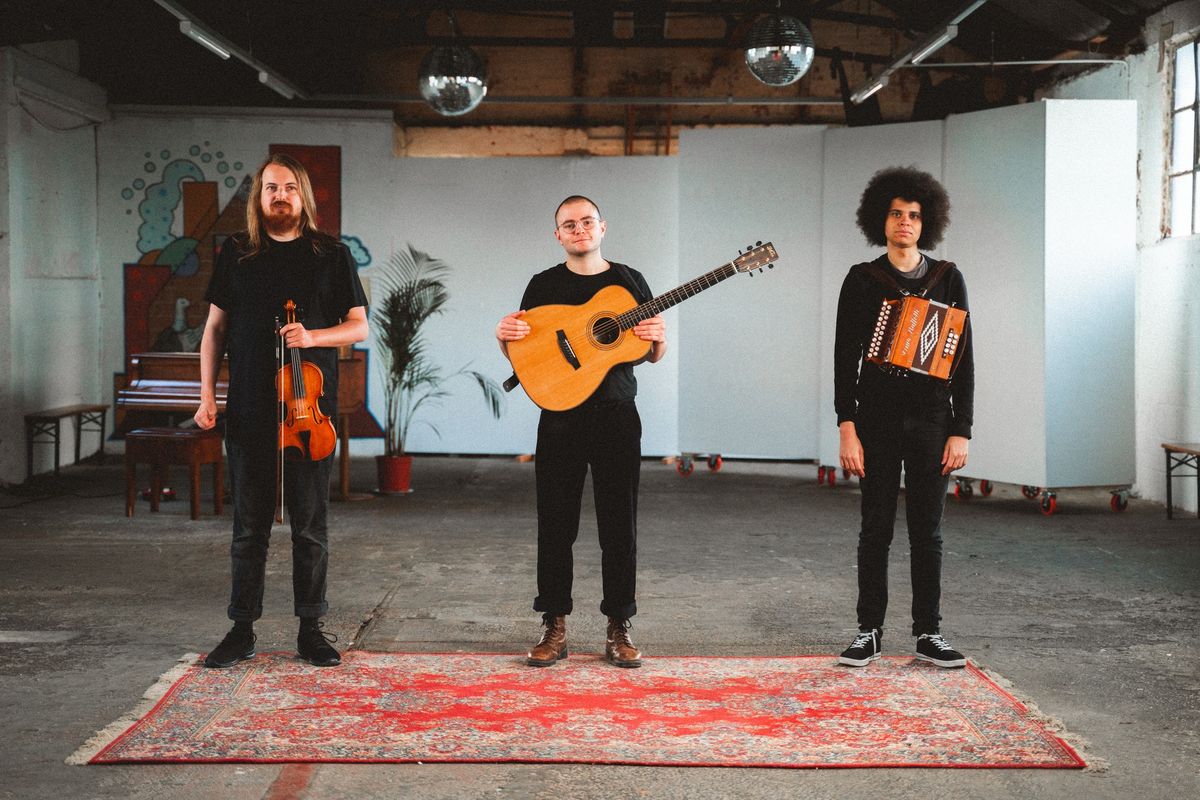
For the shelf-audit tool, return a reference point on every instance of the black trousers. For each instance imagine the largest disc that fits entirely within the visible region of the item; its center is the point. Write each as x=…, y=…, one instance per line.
x=607, y=438
x=915, y=441
x=306, y=500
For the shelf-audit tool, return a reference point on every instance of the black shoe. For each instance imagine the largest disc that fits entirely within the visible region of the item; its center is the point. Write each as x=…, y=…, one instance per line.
x=865, y=648
x=933, y=648
x=238, y=645
x=312, y=645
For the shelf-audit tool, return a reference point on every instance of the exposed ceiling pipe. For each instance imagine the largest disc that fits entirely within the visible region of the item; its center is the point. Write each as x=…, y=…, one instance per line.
x=538, y=100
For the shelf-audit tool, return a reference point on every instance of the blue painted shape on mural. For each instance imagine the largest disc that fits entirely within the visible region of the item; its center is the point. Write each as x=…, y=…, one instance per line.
x=177, y=255
x=157, y=209
x=362, y=256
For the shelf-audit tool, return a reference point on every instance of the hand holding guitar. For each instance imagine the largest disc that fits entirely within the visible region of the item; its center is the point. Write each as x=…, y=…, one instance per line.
x=512, y=327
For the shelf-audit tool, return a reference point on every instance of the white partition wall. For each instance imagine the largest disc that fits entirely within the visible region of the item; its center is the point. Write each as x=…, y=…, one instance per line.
x=1044, y=200
x=747, y=348
x=852, y=156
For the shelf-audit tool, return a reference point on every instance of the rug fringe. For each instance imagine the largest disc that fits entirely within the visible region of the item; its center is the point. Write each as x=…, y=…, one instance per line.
x=102, y=738
x=1053, y=724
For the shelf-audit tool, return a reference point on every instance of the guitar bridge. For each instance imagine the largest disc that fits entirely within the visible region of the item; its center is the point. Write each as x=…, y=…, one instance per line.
x=565, y=347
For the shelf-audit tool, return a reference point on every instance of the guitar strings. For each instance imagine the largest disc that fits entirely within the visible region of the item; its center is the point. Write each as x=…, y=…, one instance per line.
x=628, y=319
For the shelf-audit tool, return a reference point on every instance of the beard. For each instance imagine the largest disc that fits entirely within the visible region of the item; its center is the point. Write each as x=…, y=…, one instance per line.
x=281, y=219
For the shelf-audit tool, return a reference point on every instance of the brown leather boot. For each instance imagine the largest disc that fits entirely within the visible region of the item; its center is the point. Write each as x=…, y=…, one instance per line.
x=553, y=644
x=619, y=649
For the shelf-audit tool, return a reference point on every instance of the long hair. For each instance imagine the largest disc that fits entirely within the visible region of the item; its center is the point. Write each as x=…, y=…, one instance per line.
x=256, y=237
x=914, y=186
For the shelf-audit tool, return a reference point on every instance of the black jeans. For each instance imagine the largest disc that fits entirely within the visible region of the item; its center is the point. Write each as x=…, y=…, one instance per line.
x=914, y=440
x=306, y=500
x=608, y=438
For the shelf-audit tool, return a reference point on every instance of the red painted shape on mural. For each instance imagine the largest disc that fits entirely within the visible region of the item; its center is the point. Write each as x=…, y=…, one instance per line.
x=143, y=282
x=324, y=165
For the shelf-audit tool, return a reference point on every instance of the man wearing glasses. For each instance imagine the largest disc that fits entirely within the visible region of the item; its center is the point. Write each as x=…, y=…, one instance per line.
x=603, y=433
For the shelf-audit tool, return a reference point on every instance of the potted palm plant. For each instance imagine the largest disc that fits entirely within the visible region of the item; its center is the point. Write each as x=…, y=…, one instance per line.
x=412, y=289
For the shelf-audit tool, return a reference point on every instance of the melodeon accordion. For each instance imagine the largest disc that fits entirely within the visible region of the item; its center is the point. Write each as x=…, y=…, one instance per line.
x=919, y=335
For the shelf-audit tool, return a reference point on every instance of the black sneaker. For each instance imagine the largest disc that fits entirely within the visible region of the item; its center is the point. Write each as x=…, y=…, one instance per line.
x=865, y=648
x=933, y=648
x=238, y=645
x=313, y=645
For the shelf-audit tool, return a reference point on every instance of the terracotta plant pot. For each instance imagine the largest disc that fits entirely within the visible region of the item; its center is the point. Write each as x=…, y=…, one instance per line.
x=394, y=473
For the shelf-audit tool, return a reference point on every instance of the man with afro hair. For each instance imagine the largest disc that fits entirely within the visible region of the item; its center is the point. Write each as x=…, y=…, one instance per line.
x=891, y=419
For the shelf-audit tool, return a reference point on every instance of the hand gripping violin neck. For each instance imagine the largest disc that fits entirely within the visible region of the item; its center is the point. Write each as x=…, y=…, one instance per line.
x=305, y=434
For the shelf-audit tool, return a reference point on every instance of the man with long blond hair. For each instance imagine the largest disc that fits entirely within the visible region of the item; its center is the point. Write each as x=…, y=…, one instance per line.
x=282, y=256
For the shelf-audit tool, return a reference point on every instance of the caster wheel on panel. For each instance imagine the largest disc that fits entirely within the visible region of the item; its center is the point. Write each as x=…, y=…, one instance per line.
x=685, y=466
x=1049, y=503
x=820, y=475
x=715, y=463
x=1119, y=501
x=963, y=489
x=986, y=488
x=1030, y=492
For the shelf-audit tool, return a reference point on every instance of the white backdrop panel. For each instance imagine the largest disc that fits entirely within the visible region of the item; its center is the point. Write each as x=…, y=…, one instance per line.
x=748, y=367
x=995, y=173
x=852, y=156
x=1091, y=255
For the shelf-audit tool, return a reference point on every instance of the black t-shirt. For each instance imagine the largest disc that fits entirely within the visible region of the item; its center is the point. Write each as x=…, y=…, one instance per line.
x=560, y=286
x=253, y=292
x=862, y=389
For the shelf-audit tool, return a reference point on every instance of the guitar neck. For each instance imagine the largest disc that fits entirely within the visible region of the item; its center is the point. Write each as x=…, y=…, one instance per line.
x=677, y=295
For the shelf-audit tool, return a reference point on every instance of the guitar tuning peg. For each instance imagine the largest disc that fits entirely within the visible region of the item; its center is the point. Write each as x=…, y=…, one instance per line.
x=770, y=266
x=758, y=243
x=750, y=273
x=749, y=247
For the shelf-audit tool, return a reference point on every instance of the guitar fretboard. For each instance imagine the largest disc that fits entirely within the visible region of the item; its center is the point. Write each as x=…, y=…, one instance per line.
x=664, y=301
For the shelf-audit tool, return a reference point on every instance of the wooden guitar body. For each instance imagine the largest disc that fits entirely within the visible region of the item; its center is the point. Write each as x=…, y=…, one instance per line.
x=570, y=349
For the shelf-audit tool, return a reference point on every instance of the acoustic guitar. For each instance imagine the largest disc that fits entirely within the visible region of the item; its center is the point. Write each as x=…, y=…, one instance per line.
x=570, y=348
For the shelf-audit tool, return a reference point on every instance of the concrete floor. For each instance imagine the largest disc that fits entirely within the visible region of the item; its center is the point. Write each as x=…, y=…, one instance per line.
x=1090, y=615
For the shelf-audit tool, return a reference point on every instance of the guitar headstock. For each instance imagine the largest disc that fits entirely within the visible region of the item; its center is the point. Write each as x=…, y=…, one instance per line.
x=756, y=257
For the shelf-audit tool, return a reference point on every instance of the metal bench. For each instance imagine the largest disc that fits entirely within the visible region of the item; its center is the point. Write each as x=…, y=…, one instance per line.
x=48, y=424
x=1182, y=456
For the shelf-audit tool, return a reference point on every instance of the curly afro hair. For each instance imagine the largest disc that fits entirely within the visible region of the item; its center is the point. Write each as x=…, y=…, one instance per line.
x=907, y=183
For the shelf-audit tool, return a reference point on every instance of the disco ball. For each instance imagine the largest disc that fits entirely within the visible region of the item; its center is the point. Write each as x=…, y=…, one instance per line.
x=452, y=80
x=779, y=50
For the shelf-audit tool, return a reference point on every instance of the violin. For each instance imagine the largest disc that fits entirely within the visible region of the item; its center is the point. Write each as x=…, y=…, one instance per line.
x=305, y=434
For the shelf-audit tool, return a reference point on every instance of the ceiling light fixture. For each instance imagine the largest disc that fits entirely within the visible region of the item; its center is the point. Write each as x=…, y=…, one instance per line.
x=277, y=84
x=935, y=44
x=452, y=78
x=779, y=50
x=202, y=37
x=918, y=52
x=220, y=46
x=868, y=90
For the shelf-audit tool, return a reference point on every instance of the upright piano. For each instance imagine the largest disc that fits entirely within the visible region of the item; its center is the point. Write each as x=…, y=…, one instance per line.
x=164, y=389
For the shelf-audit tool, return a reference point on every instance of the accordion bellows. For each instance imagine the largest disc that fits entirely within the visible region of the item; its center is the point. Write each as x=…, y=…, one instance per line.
x=919, y=335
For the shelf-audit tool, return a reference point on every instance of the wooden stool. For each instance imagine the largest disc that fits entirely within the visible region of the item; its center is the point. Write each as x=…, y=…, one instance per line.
x=48, y=423
x=1182, y=456
x=162, y=447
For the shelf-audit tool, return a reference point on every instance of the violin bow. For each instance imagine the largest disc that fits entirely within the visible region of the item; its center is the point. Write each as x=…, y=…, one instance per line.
x=280, y=347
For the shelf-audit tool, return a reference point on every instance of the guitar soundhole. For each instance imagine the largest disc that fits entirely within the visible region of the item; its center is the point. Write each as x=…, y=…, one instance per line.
x=605, y=331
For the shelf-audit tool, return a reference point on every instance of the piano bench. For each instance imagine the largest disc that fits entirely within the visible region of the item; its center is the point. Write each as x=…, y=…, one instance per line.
x=48, y=423
x=163, y=447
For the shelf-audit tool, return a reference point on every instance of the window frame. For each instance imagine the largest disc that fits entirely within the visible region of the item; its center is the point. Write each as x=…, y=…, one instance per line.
x=1194, y=170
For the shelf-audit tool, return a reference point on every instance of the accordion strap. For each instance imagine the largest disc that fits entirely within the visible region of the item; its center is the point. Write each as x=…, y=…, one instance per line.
x=885, y=277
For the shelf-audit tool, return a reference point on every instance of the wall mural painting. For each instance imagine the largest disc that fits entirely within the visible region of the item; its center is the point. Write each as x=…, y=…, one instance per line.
x=183, y=227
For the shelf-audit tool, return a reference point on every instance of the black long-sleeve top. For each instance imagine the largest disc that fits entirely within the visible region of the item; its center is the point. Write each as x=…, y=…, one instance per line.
x=862, y=390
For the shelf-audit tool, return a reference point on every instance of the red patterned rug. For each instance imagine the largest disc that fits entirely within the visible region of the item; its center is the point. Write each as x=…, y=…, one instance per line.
x=800, y=711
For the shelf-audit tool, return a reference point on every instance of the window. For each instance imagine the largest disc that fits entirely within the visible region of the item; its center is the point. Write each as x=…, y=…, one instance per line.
x=1185, y=142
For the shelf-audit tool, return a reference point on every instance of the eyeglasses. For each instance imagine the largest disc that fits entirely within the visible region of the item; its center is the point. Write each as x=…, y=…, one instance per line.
x=571, y=225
